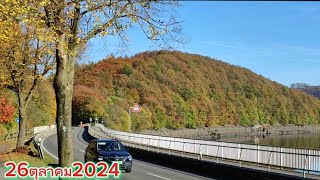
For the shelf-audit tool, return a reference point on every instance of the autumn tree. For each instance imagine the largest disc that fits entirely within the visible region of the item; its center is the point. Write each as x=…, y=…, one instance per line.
x=86, y=103
x=181, y=90
x=42, y=108
x=6, y=110
x=25, y=56
x=73, y=23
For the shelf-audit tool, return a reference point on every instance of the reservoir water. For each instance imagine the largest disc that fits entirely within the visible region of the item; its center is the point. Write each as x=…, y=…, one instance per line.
x=308, y=141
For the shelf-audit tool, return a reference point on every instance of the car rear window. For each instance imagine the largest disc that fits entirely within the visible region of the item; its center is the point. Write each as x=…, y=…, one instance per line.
x=110, y=146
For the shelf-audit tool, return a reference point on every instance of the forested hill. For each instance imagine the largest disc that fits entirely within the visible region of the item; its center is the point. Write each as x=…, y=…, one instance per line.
x=179, y=90
x=312, y=90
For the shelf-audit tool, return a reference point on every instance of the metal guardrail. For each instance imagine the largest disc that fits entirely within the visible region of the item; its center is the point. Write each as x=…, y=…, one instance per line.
x=38, y=147
x=37, y=140
x=36, y=132
x=30, y=132
x=39, y=129
x=306, y=160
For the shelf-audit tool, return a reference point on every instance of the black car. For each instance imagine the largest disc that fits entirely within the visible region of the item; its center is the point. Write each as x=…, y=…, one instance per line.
x=108, y=150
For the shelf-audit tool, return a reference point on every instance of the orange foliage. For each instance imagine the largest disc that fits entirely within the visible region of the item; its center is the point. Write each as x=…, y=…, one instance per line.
x=6, y=110
x=187, y=90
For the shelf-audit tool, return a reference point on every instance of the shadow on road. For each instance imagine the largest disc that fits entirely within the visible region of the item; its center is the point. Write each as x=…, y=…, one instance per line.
x=86, y=136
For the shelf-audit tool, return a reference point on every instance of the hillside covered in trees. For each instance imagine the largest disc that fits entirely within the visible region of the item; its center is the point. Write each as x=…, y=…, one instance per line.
x=312, y=90
x=177, y=90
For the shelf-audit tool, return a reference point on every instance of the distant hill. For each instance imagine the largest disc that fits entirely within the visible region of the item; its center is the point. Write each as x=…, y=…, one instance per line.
x=312, y=90
x=177, y=90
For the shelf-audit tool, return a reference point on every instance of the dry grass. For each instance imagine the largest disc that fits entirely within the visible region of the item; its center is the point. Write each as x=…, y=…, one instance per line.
x=17, y=157
x=7, y=146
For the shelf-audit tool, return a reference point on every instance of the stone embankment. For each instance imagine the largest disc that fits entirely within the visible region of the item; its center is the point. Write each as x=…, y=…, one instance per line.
x=230, y=132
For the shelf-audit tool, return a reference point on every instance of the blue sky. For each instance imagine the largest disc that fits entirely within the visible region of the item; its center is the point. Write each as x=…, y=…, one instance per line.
x=279, y=40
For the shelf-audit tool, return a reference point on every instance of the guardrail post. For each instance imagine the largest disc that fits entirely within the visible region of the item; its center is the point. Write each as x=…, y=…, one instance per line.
x=304, y=168
x=217, y=153
x=239, y=150
x=183, y=148
x=200, y=152
x=281, y=161
x=240, y=157
x=159, y=145
x=194, y=149
x=222, y=150
x=269, y=161
x=258, y=149
x=309, y=160
x=38, y=147
x=149, y=145
x=169, y=146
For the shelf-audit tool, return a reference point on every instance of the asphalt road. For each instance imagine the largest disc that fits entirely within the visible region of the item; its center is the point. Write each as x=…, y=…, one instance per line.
x=140, y=170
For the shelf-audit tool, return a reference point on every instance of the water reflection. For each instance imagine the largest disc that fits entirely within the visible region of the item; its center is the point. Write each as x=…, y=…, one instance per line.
x=307, y=141
x=296, y=141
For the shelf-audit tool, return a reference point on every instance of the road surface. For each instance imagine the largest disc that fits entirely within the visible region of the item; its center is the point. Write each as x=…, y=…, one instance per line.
x=140, y=170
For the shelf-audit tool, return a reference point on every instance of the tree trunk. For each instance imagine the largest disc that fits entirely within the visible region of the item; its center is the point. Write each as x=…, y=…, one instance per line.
x=22, y=123
x=63, y=85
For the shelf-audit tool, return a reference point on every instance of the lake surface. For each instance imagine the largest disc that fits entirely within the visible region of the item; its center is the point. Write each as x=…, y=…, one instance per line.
x=310, y=141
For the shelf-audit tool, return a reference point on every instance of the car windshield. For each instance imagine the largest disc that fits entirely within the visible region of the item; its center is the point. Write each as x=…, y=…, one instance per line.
x=110, y=146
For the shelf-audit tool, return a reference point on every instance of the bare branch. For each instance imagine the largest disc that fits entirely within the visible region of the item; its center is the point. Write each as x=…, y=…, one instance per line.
x=94, y=8
x=98, y=30
x=76, y=19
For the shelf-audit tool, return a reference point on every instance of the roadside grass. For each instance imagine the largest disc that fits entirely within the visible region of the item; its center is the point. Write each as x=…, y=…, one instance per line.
x=8, y=145
x=18, y=157
x=32, y=157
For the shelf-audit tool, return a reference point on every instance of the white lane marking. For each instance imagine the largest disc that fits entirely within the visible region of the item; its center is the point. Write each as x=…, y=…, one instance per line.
x=158, y=176
x=47, y=150
x=81, y=151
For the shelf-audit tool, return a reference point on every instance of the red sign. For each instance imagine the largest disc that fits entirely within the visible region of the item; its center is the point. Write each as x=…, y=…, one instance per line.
x=135, y=108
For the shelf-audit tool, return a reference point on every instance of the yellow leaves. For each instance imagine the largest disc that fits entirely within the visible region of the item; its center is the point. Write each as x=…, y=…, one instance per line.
x=44, y=3
x=153, y=33
x=24, y=40
x=11, y=9
x=23, y=13
x=70, y=14
x=40, y=77
x=78, y=40
x=104, y=33
x=134, y=19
